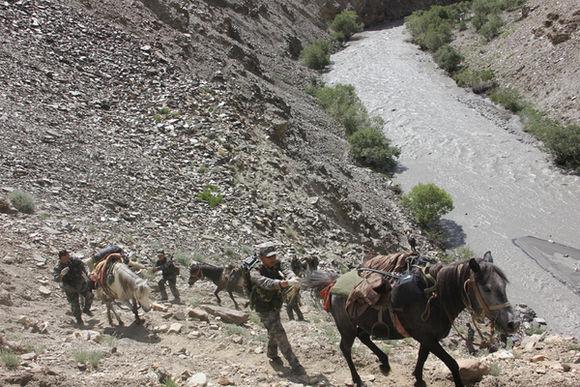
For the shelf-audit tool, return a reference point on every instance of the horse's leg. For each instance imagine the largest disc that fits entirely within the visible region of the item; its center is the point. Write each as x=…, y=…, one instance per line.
x=219, y=301
x=109, y=317
x=418, y=372
x=450, y=362
x=346, y=341
x=383, y=358
x=111, y=308
x=233, y=299
x=135, y=307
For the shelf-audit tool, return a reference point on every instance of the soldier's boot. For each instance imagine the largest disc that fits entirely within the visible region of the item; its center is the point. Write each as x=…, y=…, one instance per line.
x=175, y=293
x=79, y=320
x=299, y=313
x=89, y=296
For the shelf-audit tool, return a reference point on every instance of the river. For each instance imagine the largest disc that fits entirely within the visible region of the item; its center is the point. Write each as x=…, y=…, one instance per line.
x=503, y=187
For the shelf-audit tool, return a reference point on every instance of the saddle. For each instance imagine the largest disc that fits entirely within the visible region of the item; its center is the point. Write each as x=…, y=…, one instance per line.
x=374, y=288
x=102, y=271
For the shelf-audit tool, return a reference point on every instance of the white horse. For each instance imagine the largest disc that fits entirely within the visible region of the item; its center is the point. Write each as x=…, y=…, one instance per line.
x=127, y=287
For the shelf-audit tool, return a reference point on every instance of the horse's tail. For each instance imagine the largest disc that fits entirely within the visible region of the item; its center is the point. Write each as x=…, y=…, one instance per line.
x=318, y=280
x=321, y=283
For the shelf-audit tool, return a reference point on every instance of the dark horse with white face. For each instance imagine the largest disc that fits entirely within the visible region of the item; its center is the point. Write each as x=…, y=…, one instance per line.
x=228, y=278
x=476, y=284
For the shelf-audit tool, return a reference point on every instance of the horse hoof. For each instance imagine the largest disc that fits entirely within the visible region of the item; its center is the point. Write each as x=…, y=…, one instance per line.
x=385, y=369
x=420, y=383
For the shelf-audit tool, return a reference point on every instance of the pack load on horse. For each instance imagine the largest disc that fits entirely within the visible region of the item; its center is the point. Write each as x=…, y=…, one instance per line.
x=227, y=278
x=114, y=280
x=398, y=297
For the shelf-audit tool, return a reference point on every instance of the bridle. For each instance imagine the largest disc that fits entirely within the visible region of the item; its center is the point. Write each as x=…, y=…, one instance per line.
x=470, y=285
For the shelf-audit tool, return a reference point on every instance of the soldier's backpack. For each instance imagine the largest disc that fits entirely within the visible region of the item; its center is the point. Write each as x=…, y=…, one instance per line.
x=106, y=251
x=247, y=265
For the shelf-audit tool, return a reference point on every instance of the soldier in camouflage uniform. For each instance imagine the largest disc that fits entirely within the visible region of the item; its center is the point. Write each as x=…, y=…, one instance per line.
x=293, y=304
x=170, y=273
x=73, y=275
x=267, y=281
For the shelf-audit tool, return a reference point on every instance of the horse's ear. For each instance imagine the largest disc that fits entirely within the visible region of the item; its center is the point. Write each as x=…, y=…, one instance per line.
x=473, y=265
x=487, y=257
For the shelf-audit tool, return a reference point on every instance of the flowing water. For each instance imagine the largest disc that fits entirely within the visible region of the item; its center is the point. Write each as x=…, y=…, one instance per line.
x=502, y=185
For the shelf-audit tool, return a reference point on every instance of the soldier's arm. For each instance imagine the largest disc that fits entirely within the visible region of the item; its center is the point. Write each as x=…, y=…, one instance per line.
x=56, y=273
x=264, y=282
x=287, y=270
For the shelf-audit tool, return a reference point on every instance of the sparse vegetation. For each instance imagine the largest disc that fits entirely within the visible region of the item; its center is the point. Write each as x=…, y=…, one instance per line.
x=84, y=355
x=448, y=58
x=458, y=254
x=317, y=55
x=169, y=382
x=345, y=25
x=9, y=359
x=532, y=330
x=22, y=201
x=428, y=203
x=183, y=257
x=209, y=196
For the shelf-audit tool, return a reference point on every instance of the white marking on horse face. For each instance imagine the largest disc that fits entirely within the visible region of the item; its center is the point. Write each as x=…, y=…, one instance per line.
x=143, y=292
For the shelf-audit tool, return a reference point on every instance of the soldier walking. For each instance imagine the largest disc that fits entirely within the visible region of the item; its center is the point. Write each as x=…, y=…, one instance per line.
x=267, y=281
x=170, y=273
x=73, y=274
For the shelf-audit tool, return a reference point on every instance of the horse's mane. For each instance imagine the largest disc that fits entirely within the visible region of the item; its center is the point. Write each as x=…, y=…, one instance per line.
x=450, y=280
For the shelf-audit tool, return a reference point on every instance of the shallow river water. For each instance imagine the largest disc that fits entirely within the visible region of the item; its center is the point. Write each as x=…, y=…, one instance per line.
x=502, y=185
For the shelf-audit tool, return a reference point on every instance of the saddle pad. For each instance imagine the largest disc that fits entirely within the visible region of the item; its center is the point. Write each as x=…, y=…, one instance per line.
x=345, y=283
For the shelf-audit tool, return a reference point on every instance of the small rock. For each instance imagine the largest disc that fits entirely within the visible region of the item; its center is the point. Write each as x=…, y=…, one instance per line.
x=175, y=328
x=199, y=314
x=197, y=380
x=159, y=307
x=538, y=358
x=44, y=291
x=28, y=356
x=5, y=299
x=223, y=381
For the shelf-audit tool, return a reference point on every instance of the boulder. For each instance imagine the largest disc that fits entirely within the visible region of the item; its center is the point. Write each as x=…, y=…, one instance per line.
x=227, y=315
x=472, y=370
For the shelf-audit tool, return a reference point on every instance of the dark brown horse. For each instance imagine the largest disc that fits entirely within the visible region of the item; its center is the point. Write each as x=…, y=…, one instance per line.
x=475, y=284
x=228, y=278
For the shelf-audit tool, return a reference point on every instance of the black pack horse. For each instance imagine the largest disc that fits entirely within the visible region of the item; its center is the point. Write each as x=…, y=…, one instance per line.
x=227, y=278
x=476, y=284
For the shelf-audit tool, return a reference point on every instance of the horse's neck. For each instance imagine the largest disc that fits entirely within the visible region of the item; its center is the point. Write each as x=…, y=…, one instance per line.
x=450, y=281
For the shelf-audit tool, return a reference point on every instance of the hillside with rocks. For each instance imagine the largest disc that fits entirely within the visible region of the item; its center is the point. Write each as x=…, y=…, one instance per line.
x=115, y=116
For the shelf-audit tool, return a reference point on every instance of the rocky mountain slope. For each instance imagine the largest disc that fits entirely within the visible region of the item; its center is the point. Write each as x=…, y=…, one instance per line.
x=115, y=116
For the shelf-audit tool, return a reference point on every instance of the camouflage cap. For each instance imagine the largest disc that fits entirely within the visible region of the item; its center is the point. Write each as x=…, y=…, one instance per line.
x=266, y=249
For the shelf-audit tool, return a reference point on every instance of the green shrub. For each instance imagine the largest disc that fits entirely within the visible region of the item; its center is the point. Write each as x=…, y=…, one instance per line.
x=490, y=29
x=448, y=58
x=428, y=203
x=22, y=201
x=508, y=98
x=9, y=359
x=458, y=254
x=316, y=56
x=169, y=382
x=478, y=81
x=369, y=147
x=564, y=143
x=345, y=25
x=208, y=196
x=342, y=103
x=437, y=35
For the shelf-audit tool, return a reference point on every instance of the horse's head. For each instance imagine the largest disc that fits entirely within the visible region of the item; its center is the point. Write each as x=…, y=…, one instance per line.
x=489, y=297
x=142, y=292
x=195, y=273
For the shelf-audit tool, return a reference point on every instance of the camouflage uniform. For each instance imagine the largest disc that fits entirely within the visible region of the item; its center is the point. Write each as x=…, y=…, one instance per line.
x=170, y=272
x=75, y=283
x=266, y=298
